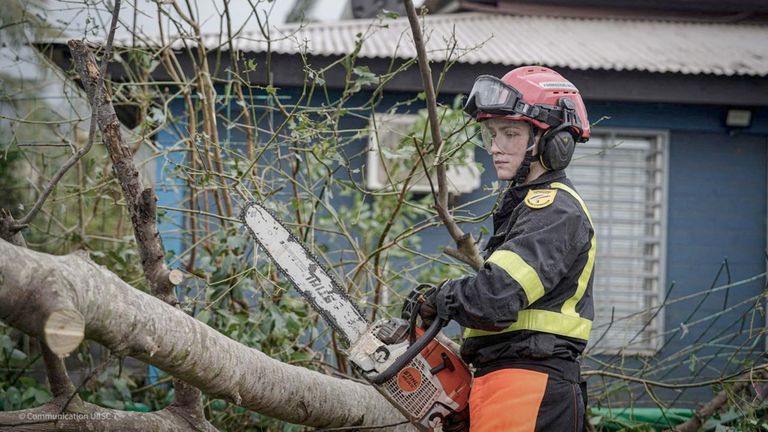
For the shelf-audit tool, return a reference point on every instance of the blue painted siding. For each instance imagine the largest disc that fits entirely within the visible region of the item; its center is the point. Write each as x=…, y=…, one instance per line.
x=170, y=189
x=717, y=212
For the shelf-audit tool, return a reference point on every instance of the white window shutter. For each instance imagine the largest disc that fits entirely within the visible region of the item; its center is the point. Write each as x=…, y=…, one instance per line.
x=621, y=176
x=390, y=161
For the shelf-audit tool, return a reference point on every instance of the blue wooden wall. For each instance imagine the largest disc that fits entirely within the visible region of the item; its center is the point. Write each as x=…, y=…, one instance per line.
x=716, y=214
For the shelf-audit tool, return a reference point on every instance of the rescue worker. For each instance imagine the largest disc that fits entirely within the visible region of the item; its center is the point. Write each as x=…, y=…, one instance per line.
x=528, y=312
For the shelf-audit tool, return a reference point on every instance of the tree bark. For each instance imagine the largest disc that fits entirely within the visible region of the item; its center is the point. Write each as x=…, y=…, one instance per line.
x=132, y=323
x=141, y=201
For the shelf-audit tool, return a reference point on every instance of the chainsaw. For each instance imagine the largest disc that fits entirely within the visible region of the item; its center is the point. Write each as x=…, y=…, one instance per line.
x=409, y=365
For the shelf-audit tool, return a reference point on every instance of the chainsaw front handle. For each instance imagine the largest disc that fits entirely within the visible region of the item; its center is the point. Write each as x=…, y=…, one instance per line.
x=411, y=352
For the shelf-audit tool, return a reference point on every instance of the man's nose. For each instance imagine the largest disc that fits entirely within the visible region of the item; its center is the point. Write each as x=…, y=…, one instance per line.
x=495, y=148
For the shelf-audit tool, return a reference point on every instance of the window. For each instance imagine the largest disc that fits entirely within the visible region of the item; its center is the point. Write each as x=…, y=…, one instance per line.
x=622, y=177
x=392, y=155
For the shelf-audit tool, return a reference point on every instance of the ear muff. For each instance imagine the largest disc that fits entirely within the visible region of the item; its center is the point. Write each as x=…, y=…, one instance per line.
x=556, y=148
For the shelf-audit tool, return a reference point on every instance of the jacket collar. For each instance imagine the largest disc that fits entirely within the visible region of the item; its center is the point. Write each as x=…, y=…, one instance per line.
x=518, y=192
x=515, y=195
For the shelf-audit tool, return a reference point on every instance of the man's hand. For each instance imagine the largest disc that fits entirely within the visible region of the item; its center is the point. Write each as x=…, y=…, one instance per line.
x=422, y=299
x=427, y=310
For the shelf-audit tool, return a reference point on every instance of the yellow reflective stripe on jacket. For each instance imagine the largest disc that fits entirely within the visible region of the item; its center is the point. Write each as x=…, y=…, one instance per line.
x=569, y=307
x=520, y=271
x=543, y=321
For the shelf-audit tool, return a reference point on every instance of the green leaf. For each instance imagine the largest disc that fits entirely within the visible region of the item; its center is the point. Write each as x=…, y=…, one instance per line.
x=300, y=357
x=390, y=14
x=7, y=343
x=27, y=382
x=203, y=316
x=365, y=76
x=11, y=399
x=29, y=394
x=235, y=242
x=42, y=396
x=18, y=355
x=122, y=387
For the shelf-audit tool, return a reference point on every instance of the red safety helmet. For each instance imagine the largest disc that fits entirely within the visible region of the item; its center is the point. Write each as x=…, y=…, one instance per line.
x=535, y=94
x=541, y=97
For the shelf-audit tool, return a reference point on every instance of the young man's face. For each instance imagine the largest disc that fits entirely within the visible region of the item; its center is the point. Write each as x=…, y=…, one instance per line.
x=509, y=142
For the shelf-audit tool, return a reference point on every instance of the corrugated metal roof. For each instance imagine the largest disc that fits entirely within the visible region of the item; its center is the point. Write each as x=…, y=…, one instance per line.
x=609, y=44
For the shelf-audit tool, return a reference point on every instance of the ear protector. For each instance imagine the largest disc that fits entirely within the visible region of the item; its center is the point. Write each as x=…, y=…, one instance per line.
x=557, y=144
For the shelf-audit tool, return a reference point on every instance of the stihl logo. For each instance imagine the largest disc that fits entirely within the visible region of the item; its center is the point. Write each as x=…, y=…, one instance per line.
x=409, y=379
x=313, y=280
x=325, y=293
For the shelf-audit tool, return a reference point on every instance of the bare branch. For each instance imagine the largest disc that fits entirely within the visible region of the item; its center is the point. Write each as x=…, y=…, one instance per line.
x=91, y=133
x=141, y=202
x=467, y=249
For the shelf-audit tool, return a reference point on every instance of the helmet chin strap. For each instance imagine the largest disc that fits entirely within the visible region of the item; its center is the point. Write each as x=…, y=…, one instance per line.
x=525, y=165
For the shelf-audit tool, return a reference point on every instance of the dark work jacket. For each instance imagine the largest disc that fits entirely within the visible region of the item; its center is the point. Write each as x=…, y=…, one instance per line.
x=540, y=256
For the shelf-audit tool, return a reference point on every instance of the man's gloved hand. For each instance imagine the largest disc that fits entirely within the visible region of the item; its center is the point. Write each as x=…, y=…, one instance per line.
x=428, y=309
x=457, y=422
x=421, y=299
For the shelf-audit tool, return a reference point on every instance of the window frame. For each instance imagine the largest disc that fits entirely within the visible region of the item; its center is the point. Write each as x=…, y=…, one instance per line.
x=660, y=143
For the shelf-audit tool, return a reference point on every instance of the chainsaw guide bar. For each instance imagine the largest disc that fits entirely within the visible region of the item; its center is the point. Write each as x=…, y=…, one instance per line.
x=304, y=271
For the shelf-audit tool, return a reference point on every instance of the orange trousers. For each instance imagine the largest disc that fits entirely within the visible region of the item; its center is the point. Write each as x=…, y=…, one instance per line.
x=522, y=400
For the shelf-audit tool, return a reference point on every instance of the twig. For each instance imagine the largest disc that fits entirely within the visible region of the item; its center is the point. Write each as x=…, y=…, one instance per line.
x=674, y=386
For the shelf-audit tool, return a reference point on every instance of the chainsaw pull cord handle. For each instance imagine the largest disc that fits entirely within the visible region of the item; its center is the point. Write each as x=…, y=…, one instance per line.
x=411, y=352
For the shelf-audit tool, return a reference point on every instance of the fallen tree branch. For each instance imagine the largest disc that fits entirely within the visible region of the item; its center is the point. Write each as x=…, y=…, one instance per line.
x=721, y=398
x=92, y=417
x=132, y=323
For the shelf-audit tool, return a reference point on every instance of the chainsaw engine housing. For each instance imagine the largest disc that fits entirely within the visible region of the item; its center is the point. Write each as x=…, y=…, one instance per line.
x=434, y=384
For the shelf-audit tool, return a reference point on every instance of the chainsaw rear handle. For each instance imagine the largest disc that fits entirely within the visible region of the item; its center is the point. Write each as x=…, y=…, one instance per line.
x=411, y=352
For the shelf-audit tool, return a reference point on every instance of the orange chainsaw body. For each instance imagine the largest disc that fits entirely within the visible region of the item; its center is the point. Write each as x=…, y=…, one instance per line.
x=433, y=385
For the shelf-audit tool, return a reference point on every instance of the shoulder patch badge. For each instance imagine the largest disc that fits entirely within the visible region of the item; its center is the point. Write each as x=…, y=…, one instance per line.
x=540, y=198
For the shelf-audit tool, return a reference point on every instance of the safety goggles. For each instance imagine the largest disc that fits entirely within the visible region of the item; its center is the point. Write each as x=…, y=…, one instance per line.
x=494, y=97
x=490, y=95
